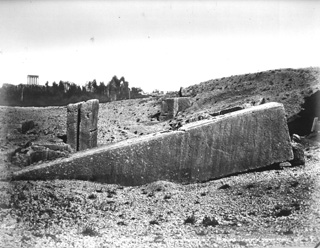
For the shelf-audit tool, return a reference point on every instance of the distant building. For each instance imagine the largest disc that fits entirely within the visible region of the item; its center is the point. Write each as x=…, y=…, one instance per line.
x=33, y=80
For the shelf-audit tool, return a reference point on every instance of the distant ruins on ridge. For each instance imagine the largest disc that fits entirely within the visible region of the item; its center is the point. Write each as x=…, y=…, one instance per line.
x=33, y=80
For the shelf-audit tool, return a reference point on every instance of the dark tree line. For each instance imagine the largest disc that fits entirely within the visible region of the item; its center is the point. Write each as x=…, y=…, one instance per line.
x=63, y=93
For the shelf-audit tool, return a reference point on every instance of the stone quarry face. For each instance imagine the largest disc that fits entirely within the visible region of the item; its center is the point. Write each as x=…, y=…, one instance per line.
x=235, y=142
x=82, y=124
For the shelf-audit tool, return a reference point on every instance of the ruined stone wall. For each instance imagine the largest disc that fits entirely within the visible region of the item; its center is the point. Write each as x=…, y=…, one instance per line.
x=118, y=89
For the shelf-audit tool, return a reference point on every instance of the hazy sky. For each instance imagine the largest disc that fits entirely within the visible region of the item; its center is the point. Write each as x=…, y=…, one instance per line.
x=154, y=44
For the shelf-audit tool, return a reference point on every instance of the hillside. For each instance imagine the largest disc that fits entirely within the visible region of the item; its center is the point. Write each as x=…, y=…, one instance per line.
x=288, y=86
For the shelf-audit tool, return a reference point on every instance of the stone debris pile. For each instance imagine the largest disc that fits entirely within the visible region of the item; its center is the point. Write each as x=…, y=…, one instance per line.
x=40, y=151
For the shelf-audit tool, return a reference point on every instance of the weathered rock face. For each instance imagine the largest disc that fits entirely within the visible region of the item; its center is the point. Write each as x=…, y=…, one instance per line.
x=235, y=142
x=172, y=106
x=82, y=124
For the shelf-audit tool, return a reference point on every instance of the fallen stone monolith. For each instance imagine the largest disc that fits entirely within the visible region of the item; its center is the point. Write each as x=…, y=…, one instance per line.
x=236, y=142
x=82, y=124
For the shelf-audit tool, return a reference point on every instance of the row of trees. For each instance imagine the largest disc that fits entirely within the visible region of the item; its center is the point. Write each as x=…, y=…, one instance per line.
x=63, y=93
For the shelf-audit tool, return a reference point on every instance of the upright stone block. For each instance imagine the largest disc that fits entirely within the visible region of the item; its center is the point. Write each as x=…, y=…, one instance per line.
x=73, y=120
x=182, y=104
x=82, y=124
x=88, y=129
x=172, y=106
x=235, y=142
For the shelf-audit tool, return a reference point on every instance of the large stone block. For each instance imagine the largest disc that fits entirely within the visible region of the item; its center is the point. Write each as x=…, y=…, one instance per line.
x=88, y=140
x=88, y=124
x=82, y=124
x=236, y=142
x=172, y=106
x=73, y=118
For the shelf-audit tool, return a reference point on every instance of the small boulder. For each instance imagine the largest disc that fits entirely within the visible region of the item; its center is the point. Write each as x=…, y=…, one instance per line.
x=284, y=164
x=298, y=154
x=207, y=221
x=26, y=126
x=296, y=138
x=185, y=92
x=261, y=101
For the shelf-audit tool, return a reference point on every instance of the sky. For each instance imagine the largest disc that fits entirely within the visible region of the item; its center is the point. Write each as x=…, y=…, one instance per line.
x=160, y=45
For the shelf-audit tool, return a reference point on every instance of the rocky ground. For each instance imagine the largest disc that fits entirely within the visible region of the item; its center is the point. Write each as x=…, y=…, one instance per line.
x=276, y=207
x=288, y=86
x=272, y=208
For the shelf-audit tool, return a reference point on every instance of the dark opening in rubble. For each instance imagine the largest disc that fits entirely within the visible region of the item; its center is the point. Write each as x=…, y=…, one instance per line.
x=226, y=111
x=302, y=124
x=63, y=137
